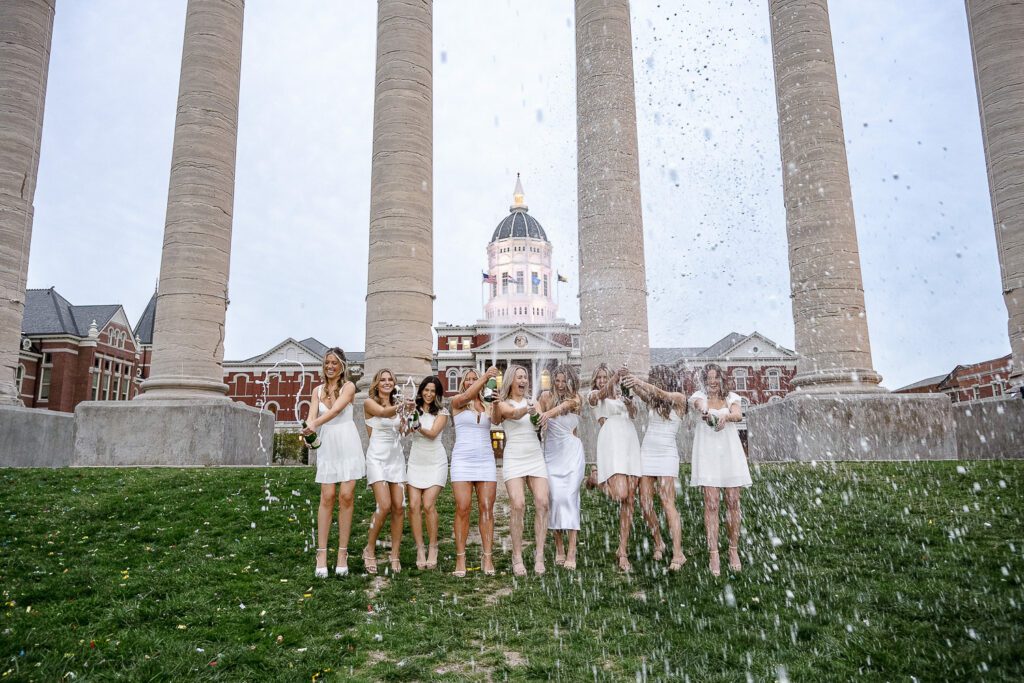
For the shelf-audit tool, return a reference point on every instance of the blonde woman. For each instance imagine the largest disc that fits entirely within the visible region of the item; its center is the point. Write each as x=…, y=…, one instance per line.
x=659, y=455
x=340, y=459
x=473, y=468
x=618, y=451
x=563, y=454
x=385, y=465
x=523, y=466
x=719, y=461
x=428, y=468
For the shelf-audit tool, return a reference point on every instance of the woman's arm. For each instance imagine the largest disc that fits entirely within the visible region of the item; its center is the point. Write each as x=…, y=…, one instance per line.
x=569, y=405
x=440, y=420
x=348, y=393
x=373, y=409
x=314, y=409
x=473, y=390
x=507, y=411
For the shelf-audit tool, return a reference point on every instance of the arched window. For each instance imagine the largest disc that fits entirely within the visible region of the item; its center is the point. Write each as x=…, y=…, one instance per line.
x=774, y=379
x=453, y=379
x=739, y=379
x=241, y=385
x=303, y=410
x=272, y=407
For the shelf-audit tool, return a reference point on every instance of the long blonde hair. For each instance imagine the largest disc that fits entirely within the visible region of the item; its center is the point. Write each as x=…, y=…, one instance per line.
x=597, y=370
x=374, y=392
x=506, y=382
x=342, y=378
x=572, y=384
x=723, y=387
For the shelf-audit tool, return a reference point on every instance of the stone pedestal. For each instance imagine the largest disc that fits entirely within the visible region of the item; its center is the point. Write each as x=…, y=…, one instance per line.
x=199, y=433
x=990, y=429
x=30, y=437
x=877, y=426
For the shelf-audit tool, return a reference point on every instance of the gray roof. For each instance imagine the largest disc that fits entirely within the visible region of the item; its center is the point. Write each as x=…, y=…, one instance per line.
x=722, y=345
x=670, y=355
x=47, y=312
x=519, y=224
x=925, y=382
x=144, y=328
x=318, y=348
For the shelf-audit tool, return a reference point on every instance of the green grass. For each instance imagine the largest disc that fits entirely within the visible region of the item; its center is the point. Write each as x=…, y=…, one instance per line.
x=876, y=571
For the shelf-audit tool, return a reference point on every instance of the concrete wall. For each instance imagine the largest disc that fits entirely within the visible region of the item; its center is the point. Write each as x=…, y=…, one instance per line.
x=992, y=429
x=30, y=437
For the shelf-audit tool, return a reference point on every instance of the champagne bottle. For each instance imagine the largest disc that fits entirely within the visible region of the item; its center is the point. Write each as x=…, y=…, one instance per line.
x=414, y=420
x=491, y=390
x=312, y=440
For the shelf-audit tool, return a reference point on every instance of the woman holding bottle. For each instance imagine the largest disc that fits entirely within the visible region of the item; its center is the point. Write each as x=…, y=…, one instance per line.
x=428, y=467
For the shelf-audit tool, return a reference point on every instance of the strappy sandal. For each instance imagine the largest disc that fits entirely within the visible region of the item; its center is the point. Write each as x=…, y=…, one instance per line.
x=431, y=564
x=488, y=572
x=714, y=564
x=421, y=557
x=370, y=562
x=623, y=563
x=734, y=559
x=321, y=572
x=396, y=564
x=569, y=564
x=518, y=568
x=459, y=573
x=341, y=568
x=659, y=552
x=677, y=563
x=538, y=566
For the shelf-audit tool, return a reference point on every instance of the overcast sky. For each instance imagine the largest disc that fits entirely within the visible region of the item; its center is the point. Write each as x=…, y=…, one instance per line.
x=504, y=102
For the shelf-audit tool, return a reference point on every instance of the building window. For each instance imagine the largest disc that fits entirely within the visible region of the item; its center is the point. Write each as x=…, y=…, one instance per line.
x=546, y=276
x=534, y=283
x=272, y=407
x=126, y=382
x=44, y=377
x=467, y=343
x=96, y=372
x=739, y=379
x=117, y=383
x=106, y=381
x=241, y=385
x=774, y=382
x=520, y=284
x=453, y=380
x=494, y=289
x=19, y=376
x=504, y=282
x=453, y=343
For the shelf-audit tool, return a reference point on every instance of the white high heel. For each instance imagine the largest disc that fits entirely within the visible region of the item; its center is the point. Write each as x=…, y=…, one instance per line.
x=321, y=572
x=338, y=569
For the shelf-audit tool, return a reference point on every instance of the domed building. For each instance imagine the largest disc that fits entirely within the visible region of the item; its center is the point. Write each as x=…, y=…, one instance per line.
x=520, y=324
x=519, y=268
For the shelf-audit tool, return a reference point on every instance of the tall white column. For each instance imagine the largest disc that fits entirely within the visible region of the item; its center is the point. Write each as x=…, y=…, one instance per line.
x=829, y=316
x=613, y=289
x=997, y=45
x=188, y=333
x=400, y=273
x=26, y=27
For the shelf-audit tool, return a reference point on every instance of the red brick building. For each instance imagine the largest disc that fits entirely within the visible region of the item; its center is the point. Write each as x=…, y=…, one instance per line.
x=978, y=381
x=71, y=354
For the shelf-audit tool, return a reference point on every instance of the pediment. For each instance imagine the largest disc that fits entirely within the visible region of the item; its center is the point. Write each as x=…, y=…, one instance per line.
x=757, y=345
x=288, y=350
x=522, y=339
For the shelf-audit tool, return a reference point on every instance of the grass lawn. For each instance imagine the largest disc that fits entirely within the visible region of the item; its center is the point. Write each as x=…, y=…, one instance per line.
x=881, y=571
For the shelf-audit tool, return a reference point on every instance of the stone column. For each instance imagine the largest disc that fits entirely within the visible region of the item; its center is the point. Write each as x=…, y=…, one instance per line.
x=997, y=44
x=400, y=275
x=188, y=335
x=613, y=294
x=26, y=27
x=824, y=262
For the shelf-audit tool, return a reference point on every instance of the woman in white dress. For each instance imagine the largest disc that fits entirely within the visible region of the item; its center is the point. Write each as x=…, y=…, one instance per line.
x=340, y=459
x=563, y=454
x=523, y=465
x=719, y=461
x=428, y=468
x=385, y=465
x=618, y=451
x=659, y=455
x=473, y=468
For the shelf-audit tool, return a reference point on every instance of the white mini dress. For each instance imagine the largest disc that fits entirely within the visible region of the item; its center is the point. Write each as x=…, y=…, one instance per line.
x=659, y=455
x=472, y=455
x=384, y=458
x=523, y=456
x=428, y=460
x=718, y=457
x=618, y=447
x=340, y=456
x=563, y=453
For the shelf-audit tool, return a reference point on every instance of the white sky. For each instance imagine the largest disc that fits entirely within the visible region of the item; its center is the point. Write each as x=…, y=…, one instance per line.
x=504, y=101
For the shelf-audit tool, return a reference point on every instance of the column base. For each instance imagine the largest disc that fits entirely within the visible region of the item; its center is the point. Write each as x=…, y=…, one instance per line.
x=153, y=433
x=182, y=388
x=873, y=426
x=992, y=429
x=31, y=437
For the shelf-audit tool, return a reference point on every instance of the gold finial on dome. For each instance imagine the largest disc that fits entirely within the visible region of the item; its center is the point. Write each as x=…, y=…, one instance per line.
x=518, y=197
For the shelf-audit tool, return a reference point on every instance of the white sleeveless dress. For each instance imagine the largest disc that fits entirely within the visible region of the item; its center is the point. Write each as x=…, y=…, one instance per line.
x=618, y=447
x=718, y=457
x=563, y=454
x=472, y=455
x=384, y=458
x=523, y=456
x=340, y=456
x=659, y=455
x=428, y=460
